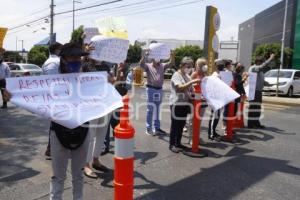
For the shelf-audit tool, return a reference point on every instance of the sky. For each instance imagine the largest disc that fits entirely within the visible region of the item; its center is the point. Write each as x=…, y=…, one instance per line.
x=147, y=19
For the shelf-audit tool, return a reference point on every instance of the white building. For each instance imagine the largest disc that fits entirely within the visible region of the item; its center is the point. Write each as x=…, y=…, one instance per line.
x=173, y=43
x=227, y=49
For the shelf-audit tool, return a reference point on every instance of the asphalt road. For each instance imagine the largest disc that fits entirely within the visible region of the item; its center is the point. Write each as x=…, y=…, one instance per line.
x=263, y=164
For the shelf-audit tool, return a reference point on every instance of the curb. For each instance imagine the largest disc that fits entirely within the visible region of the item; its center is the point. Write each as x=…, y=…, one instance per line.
x=293, y=104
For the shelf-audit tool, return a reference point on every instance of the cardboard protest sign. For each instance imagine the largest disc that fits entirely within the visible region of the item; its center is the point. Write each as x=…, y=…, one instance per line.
x=3, y=32
x=159, y=51
x=113, y=50
x=112, y=27
x=89, y=33
x=226, y=77
x=68, y=99
x=251, y=86
x=217, y=93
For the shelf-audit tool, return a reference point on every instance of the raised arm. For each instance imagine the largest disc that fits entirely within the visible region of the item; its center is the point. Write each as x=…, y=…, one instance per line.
x=264, y=65
x=143, y=60
x=171, y=62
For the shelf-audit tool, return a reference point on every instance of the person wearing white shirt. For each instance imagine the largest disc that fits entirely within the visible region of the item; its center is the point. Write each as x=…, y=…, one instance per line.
x=4, y=73
x=52, y=63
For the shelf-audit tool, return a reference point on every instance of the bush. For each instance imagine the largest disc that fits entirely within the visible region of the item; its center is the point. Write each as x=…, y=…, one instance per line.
x=12, y=56
x=77, y=35
x=134, y=53
x=191, y=50
x=265, y=50
x=38, y=55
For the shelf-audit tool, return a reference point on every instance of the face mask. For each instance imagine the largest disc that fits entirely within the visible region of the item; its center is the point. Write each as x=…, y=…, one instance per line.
x=204, y=68
x=74, y=67
x=187, y=70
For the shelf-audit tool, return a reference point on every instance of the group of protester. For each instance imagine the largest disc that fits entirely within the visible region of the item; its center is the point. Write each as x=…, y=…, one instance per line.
x=92, y=140
x=182, y=95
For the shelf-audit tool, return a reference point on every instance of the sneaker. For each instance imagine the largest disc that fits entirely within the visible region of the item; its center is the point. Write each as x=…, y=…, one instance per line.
x=149, y=132
x=160, y=132
x=174, y=149
x=3, y=107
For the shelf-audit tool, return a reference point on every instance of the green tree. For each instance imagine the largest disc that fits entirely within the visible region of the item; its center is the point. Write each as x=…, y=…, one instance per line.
x=12, y=56
x=193, y=51
x=38, y=55
x=264, y=50
x=77, y=35
x=134, y=53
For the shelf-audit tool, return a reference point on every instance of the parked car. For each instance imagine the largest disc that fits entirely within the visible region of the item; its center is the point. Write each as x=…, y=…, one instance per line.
x=23, y=69
x=9, y=63
x=289, y=81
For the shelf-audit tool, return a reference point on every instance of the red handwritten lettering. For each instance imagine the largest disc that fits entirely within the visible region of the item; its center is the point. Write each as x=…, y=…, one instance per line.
x=26, y=98
x=22, y=85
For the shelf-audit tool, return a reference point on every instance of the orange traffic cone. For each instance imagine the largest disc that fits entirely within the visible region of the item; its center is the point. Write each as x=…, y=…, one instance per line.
x=124, y=158
x=195, y=150
x=239, y=120
x=230, y=119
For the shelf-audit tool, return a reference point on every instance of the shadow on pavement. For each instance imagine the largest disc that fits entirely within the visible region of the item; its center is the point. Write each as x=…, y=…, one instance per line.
x=144, y=156
x=107, y=180
x=278, y=131
x=23, y=174
x=223, y=181
x=18, y=144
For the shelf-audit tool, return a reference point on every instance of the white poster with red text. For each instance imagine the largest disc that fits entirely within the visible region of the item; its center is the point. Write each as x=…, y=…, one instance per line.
x=68, y=99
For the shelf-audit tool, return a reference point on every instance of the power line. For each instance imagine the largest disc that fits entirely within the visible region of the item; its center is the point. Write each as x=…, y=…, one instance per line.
x=69, y=11
x=162, y=8
x=26, y=28
x=29, y=15
x=143, y=2
x=117, y=7
x=88, y=7
x=28, y=23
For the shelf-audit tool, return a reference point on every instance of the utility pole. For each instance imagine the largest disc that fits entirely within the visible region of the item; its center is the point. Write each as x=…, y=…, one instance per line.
x=51, y=21
x=16, y=49
x=73, y=15
x=22, y=49
x=282, y=45
x=74, y=1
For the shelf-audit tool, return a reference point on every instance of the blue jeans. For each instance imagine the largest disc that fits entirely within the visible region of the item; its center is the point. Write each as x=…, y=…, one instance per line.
x=154, y=99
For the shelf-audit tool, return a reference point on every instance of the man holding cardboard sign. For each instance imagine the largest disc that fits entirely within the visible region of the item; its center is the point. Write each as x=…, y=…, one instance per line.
x=155, y=79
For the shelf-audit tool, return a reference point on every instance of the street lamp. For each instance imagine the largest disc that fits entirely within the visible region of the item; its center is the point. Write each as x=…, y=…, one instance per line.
x=74, y=1
x=282, y=46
